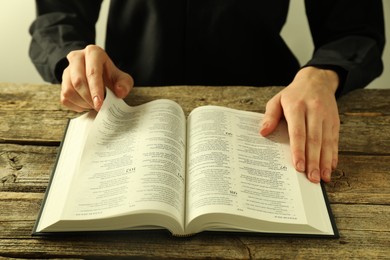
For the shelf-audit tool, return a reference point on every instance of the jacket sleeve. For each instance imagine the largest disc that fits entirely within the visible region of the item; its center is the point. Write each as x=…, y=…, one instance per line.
x=60, y=27
x=349, y=37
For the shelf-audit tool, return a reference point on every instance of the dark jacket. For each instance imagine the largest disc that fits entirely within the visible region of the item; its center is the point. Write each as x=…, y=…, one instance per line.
x=212, y=42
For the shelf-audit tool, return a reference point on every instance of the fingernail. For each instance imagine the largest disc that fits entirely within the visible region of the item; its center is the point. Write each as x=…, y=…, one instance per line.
x=118, y=88
x=326, y=175
x=96, y=102
x=301, y=166
x=263, y=127
x=315, y=175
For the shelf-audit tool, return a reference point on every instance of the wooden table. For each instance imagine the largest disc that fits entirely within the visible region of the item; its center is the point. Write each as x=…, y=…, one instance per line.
x=31, y=128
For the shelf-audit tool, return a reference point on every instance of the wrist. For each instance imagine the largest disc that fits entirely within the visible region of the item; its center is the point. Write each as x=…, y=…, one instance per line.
x=323, y=76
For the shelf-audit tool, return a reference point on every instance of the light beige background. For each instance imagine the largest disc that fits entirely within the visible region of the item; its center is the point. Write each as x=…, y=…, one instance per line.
x=17, y=15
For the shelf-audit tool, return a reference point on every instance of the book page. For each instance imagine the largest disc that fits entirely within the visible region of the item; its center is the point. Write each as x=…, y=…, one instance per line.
x=133, y=161
x=58, y=190
x=232, y=169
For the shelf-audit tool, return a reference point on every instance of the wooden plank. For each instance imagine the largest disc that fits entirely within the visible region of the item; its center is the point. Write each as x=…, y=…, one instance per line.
x=367, y=134
x=32, y=114
x=365, y=101
x=33, y=126
x=361, y=227
x=29, y=97
x=46, y=97
x=22, y=209
x=27, y=169
x=128, y=246
x=359, y=134
x=359, y=245
x=353, y=245
x=361, y=179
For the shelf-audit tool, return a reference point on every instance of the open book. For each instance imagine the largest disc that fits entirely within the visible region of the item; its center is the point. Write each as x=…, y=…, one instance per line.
x=147, y=167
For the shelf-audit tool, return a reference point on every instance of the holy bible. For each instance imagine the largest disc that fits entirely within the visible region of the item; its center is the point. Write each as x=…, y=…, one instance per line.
x=148, y=167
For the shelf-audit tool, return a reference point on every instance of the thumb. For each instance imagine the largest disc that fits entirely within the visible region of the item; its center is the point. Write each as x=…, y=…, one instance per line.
x=123, y=84
x=118, y=81
x=272, y=116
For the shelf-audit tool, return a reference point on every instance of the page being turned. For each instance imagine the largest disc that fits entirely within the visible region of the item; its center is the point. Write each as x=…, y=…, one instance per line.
x=134, y=161
x=233, y=169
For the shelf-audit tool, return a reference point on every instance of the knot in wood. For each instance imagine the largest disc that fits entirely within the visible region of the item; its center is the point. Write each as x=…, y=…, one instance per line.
x=247, y=101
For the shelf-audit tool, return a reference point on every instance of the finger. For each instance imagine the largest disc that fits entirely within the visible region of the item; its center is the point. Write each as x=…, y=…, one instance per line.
x=272, y=116
x=74, y=107
x=77, y=79
x=69, y=97
x=335, y=145
x=118, y=81
x=73, y=103
x=296, y=122
x=95, y=57
x=123, y=85
x=326, y=152
x=76, y=103
x=313, y=145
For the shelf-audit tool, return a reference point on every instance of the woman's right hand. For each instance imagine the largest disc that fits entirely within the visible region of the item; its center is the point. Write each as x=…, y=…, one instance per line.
x=90, y=70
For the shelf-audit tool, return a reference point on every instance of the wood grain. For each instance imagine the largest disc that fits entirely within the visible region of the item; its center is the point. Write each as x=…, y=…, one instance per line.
x=32, y=113
x=32, y=126
x=27, y=168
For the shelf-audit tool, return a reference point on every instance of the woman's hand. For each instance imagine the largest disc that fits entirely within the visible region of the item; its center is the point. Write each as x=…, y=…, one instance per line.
x=84, y=80
x=310, y=109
